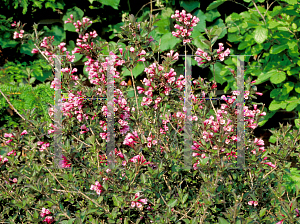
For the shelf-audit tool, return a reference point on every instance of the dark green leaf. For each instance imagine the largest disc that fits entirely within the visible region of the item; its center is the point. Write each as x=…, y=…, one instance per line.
x=190, y=5
x=215, y=4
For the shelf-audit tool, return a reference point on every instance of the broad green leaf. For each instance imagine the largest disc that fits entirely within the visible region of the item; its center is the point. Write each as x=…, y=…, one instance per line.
x=27, y=48
x=272, y=139
x=168, y=41
x=275, y=49
x=275, y=92
x=172, y=203
x=265, y=76
x=113, y=3
x=260, y=34
x=190, y=5
x=77, y=14
x=262, y=212
x=278, y=78
x=220, y=29
x=223, y=221
x=276, y=105
x=215, y=4
x=136, y=71
x=198, y=40
x=272, y=24
x=56, y=31
x=287, y=87
x=292, y=103
x=212, y=15
x=201, y=25
x=297, y=87
x=291, y=2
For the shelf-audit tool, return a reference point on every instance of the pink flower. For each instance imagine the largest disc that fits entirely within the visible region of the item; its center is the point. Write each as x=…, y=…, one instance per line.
x=9, y=141
x=143, y=52
x=280, y=222
x=142, y=59
x=24, y=132
x=15, y=180
x=258, y=93
x=6, y=135
x=121, y=50
x=270, y=164
x=139, y=159
x=34, y=51
x=131, y=49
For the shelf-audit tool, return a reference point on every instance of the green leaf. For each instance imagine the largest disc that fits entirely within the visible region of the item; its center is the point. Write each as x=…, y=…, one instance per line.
x=297, y=87
x=293, y=103
x=113, y=3
x=275, y=92
x=215, y=4
x=56, y=31
x=77, y=14
x=201, y=25
x=275, y=49
x=223, y=221
x=287, y=87
x=265, y=76
x=212, y=15
x=276, y=105
x=136, y=71
x=91, y=139
x=297, y=123
x=168, y=41
x=262, y=212
x=190, y=6
x=272, y=139
x=143, y=178
x=278, y=78
x=260, y=34
x=172, y=203
x=185, y=197
x=291, y=2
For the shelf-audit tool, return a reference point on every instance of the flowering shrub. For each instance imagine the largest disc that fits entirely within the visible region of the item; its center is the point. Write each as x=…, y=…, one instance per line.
x=148, y=182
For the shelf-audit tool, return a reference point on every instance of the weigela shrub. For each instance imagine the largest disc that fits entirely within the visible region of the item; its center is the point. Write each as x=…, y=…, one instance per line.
x=149, y=183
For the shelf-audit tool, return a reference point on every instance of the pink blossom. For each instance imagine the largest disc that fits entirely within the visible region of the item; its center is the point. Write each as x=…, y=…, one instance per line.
x=24, y=132
x=6, y=135
x=131, y=49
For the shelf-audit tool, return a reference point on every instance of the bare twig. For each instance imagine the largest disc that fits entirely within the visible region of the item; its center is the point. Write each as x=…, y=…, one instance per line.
x=81, y=141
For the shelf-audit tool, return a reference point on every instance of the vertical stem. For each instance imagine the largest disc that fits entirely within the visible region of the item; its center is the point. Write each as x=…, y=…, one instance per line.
x=188, y=106
x=133, y=82
x=240, y=115
x=58, y=114
x=110, y=116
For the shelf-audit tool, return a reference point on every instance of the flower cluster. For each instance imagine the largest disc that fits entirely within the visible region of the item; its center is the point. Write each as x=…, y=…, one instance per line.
x=48, y=219
x=139, y=160
x=138, y=203
x=185, y=26
x=43, y=145
x=3, y=159
x=254, y=203
x=84, y=129
x=97, y=187
x=18, y=35
x=11, y=136
x=64, y=163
